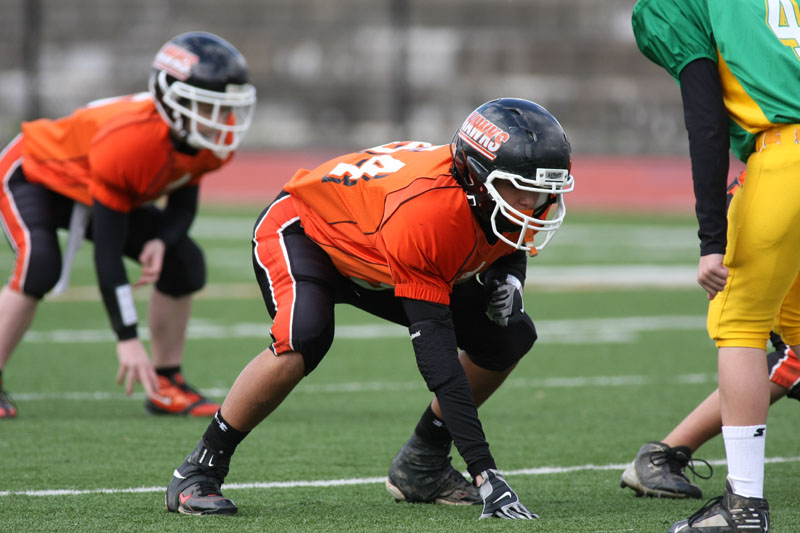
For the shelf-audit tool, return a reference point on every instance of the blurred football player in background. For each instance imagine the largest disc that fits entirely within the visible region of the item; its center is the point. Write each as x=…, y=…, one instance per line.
x=431, y=237
x=659, y=469
x=739, y=75
x=97, y=172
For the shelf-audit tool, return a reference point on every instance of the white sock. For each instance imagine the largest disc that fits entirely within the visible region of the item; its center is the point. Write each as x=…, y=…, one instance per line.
x=744, y=446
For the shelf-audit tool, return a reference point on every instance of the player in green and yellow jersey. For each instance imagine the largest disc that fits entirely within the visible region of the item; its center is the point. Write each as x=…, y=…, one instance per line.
x=738, y=67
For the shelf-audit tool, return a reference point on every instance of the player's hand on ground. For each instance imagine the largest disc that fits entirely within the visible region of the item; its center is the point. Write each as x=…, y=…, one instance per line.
x=712, y=275
x=151, y=259
x=134, y=365
x=499, y=500
x=505, y=300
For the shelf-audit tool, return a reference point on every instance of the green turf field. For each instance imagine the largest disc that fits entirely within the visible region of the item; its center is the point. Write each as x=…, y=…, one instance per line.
x=622, y=357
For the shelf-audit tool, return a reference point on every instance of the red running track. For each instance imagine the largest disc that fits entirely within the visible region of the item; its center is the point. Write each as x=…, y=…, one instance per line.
x=644, y=184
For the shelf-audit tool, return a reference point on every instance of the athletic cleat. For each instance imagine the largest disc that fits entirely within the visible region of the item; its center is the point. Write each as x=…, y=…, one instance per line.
x=727, y=513
x=7, y=407
x=423, y=473
x=195, y=485
x=176, y=397
x=658, y=472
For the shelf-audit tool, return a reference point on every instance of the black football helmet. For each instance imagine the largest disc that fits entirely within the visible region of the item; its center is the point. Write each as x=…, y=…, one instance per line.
x=200, y=86
x=519, y=141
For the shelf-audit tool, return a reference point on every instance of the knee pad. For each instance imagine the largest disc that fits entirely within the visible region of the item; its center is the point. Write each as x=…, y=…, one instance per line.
x=502, y=347
x=44, y=268
x=303, y=323
x=314, y=348
x=311, y=339
x=313, y=325
x=184, y=269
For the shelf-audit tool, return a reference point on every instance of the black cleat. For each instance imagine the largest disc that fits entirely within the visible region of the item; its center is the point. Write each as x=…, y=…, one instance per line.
x=195, y=485
x=658, y=472
x=423, y=473
x=727, y=513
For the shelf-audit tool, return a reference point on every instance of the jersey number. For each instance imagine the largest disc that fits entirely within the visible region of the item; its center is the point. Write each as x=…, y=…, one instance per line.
x=375, y=167
x=378, y=166
x=782, y=19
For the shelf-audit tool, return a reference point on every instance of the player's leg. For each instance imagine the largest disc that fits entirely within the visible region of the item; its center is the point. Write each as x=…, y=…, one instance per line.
x=762, y=232
x=16, y=314
x=261, y=387
x=483, y=382
x=742, y=504
x=705, y=421
x=702, y=424
x=29, y=215
x=659, y=468
x=298, y=283
x=421, y=470
x=295, y=277
x=168, y=320
x=183, y=273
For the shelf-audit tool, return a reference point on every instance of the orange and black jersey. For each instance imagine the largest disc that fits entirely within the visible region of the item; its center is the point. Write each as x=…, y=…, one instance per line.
x=394, y=216
x=117, y=151
x=117, y=155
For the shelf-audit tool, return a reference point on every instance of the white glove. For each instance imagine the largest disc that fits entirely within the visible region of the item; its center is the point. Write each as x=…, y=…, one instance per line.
x=505, y=301
x=499, y=501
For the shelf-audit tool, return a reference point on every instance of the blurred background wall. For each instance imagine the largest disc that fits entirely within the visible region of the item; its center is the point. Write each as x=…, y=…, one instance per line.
x=337, y=74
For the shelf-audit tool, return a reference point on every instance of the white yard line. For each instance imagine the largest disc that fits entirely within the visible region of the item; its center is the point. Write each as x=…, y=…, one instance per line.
x=542, y=278
x=576, y=331
x=568, y=331
x=538, y=471
x=400, y=386
x=597, y=277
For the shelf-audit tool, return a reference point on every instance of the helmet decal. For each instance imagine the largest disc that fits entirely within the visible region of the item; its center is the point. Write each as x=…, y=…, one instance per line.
x=176, y=61
x=482, y=134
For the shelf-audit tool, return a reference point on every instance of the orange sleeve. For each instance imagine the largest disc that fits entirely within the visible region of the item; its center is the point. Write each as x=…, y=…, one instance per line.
x=427, y=241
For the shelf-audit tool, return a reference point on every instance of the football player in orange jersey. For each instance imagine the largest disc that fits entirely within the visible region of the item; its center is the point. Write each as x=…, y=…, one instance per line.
x=431, y=237
x=97, y=171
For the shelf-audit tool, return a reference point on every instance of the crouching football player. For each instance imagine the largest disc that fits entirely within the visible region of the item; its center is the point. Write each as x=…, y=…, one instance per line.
x=423, y=236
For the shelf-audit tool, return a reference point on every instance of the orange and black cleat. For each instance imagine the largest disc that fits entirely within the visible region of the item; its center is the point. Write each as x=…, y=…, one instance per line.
x=176, y=397
x=7, y=408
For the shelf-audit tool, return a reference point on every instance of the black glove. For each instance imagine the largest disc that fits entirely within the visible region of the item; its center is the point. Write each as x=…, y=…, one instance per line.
x=499, y=501
x=505, y=301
